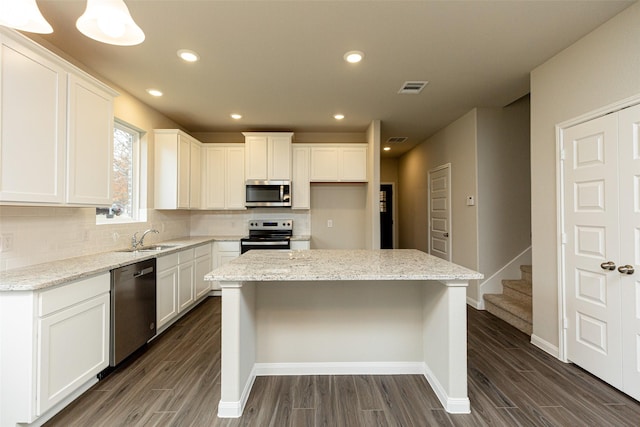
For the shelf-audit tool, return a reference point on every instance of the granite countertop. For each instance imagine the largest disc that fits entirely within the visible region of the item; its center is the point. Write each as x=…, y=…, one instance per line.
x=321, y=264
x=49, y=274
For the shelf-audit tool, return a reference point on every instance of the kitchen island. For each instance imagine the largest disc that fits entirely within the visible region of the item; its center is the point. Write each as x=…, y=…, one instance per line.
x=328, y=312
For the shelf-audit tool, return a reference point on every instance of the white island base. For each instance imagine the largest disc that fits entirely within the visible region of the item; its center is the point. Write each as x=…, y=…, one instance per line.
x=343, y=320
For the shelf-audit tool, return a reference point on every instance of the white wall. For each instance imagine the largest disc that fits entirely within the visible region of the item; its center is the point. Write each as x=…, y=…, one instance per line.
x=599, y=69
x=504, y=183
x=455, y=144
x=346, y=206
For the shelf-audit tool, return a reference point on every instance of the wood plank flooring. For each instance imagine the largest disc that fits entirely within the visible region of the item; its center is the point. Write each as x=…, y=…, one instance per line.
x=176, y=382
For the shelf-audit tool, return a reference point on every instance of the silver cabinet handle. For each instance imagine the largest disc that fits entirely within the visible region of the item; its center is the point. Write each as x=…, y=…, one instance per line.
x=626, y=269
x=609, y=265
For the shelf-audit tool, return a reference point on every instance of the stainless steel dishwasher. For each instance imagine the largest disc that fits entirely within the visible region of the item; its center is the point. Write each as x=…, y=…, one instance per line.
x=133, y=308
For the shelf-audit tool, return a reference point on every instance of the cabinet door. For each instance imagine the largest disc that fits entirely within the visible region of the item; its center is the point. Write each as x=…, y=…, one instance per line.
x=186, y=295
x=195, y=178
x=353, y=164
x=166, y=296
x=235, y=192
x=90, y=144
x=203, y=266
x=279, y=158
x=324, y=164
x=32, y=127
x=184, y=176
x=256, y=157
x=215, y=182
x=73, y=347
x=300, y=179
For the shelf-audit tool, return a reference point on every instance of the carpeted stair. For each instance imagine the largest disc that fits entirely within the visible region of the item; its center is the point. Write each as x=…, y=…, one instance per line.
x=513, y=305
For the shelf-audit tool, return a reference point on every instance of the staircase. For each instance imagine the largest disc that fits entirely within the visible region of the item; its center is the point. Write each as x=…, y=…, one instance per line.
x=514, y=304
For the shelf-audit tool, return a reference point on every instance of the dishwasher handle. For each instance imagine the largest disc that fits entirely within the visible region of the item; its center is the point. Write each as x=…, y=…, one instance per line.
x=143, y=272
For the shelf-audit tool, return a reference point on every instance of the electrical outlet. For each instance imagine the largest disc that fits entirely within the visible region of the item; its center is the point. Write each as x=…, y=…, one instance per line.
x=329, y=223
x=6, y=242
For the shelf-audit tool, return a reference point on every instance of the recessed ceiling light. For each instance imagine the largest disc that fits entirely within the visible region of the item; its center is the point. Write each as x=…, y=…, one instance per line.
x=154, y=92
x=353, y=56
x=236, y=116
x=387, y=148
x=338, y=116
x=188, y=55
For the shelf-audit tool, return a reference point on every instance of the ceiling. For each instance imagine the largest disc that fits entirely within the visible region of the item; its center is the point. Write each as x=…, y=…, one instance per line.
x=280, y=63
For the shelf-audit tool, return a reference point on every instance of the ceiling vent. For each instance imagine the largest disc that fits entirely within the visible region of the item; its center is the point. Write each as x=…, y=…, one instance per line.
x=413, y=87
x=397, y=140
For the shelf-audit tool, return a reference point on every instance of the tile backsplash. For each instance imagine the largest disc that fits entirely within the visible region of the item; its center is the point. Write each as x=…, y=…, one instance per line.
x=42, y=234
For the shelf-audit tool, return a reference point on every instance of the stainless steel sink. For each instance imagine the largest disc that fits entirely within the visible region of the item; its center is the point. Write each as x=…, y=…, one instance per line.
x=155, y=248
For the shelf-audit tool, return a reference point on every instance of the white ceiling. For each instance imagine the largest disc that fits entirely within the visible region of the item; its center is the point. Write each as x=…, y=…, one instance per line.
x=280, y=63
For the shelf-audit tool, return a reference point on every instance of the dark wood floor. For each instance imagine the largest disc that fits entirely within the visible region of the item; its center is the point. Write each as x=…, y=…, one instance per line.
x=176, y=382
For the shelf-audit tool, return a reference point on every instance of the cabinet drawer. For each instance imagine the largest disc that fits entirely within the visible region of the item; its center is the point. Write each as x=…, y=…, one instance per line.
x=186, y=255
x=233, y=246
x=67, y=295
x=166, y=262
x=203, y=250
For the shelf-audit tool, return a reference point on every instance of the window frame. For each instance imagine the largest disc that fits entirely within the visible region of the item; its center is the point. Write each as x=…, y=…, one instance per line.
x=137, y=134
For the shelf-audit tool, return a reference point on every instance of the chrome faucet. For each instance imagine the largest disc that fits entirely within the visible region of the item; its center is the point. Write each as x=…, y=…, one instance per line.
x=135, y=243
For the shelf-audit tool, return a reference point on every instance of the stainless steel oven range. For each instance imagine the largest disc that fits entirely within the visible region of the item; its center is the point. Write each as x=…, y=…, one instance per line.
x=268, y=234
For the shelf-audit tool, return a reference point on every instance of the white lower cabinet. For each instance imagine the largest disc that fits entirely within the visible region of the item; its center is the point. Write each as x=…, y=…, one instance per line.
x=186, y=280
x=54, y=343
x=202, y=267
x=180, y=282
x=166, y=289
x=297, y=245
x=223, y=252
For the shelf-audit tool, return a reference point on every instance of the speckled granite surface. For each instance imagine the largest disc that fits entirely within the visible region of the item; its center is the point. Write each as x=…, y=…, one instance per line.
x=320, y=264
x=54, y=273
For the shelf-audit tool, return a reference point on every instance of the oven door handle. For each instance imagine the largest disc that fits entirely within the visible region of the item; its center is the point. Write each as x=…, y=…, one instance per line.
x=281, y=243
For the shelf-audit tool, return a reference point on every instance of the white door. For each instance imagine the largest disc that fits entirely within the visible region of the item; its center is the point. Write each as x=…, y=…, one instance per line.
x=592, y=290
x=440, y=212
x=629, y=147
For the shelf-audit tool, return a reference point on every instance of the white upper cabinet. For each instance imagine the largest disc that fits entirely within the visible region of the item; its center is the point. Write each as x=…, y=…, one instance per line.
x=90, y=144
x=56, y=128
x=223, y=177
x=338, y=163
x=195, y=175
x=174, y=172
x=301, y=197
x=268, y=155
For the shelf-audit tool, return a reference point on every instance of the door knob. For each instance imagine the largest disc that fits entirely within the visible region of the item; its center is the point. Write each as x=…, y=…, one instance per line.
x=609, y=265
x=626, y=269
x=445, y=234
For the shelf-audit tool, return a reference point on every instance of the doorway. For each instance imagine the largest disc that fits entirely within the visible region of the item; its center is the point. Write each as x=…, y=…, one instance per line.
x=386, y=216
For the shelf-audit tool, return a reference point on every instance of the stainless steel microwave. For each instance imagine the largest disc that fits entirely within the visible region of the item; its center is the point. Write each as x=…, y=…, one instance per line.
x=268, y=194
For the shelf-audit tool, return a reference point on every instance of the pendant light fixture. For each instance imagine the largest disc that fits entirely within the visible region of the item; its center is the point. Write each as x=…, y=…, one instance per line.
x=23, y=15
x=109, y=21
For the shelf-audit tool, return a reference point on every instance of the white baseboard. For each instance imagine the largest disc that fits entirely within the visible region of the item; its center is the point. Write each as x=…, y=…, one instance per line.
x=478, y=305
x=234, y=409
x=340, y=368
x=545, y=346
x=452, y=405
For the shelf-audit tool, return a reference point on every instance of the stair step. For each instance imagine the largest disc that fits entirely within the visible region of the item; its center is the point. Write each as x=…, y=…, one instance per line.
x=515, y=311
x=517, y=288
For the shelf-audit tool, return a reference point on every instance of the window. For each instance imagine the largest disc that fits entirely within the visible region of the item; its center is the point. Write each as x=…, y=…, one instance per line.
x=126, y=146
